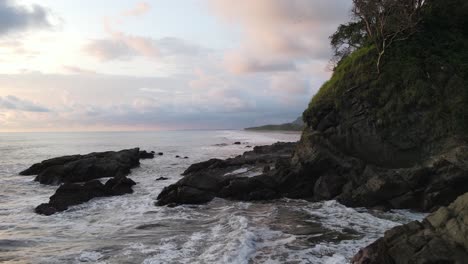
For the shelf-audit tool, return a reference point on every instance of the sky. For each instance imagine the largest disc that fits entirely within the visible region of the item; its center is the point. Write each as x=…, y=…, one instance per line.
x=119, y=65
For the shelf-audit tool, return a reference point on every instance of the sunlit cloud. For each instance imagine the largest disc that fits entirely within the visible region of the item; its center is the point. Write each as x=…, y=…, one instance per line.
x=138, y=10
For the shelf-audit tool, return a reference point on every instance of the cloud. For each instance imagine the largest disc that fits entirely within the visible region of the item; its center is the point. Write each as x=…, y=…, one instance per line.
x=140, y=9
x=14, y=17
x=10, y=102
x=122, y=46
x=77, y=70
x=239, y=64
x=289, y=84
x=282, y=31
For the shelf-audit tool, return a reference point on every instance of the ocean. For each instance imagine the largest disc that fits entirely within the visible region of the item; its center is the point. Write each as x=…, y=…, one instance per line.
x=130, y=229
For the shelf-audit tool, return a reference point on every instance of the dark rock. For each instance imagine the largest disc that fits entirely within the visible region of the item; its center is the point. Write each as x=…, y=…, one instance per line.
x=203, y=166
x=174, y=195
x=162, y=179
x=186, y=157
x=82, y=168
x=146, y=155
x=441, y=238
x=69, y=194
x=177, y=156
x=160, y=153
x=119, y=186
x=248, y=146
x=40, y=167
x=205, y=180
x=237, y=143
x=266, y=169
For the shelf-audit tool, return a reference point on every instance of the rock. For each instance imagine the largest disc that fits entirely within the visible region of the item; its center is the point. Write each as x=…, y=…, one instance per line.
x=248, y=146
x=119, y=186
x=205, y=180
x=203, y=166
x=177, y=156
x=160, y=153
x=162, y=179
x=266, y=169
x=441, y=238
x=184, y=195
x=237, y=143
x=146, y=155
x=69, y=194
x=82, y=168
x=186, y=157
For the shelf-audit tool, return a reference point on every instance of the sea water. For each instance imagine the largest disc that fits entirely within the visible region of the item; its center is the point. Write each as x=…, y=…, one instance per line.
x=130, y=229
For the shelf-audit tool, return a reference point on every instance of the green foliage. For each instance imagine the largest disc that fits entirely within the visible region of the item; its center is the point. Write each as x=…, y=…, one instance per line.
x=427, y=75
x=352, y=71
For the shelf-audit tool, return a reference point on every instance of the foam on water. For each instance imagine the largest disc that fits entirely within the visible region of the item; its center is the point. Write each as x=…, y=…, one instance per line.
x=130, y=229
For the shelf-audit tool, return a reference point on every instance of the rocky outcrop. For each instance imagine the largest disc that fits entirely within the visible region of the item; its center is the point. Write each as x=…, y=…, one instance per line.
x=82, y=168
x=441, y=238
x=74, y=193
x=322, y=170
x=79, y=174
x=237, y=178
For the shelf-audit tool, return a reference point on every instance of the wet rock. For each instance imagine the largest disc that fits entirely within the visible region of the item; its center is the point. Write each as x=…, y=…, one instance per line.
x=146, y=155
x=162, y=179
x=160, y=153
x=174, y=195
x=441, y=238
x=82, y=168
x=177, y=156
x=119, y=186
x=69, y=194
x=237, y=143
x=186, y=157
x=213, y=178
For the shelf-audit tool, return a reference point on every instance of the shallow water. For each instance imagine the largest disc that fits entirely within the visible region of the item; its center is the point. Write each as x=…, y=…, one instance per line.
x=130, y=229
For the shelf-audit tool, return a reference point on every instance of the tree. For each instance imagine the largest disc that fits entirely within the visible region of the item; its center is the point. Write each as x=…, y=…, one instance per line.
x=348, y=38
x=387, y=21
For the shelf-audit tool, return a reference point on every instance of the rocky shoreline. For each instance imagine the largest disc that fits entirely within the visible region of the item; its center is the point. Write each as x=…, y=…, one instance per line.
x=80, y=173
x=272, y=172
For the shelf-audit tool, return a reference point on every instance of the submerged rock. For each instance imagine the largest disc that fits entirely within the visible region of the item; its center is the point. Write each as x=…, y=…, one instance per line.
x=82, y=168
x=74, y=193
x=441, y=238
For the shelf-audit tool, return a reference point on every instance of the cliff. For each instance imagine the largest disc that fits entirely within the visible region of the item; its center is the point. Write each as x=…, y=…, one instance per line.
x=398, y=139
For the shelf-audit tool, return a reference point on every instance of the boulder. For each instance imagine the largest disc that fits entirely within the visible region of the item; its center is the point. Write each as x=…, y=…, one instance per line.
x=440, y=238
x=69, y=194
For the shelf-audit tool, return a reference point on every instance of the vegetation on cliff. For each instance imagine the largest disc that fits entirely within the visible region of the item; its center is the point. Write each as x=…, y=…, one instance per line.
x=425, y=74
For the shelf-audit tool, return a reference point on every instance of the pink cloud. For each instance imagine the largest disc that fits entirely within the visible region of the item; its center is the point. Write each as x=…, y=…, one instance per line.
x=140, y=9
x=281, y=31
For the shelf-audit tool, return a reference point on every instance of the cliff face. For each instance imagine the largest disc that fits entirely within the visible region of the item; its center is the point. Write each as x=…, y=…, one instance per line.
x=394, y=140
x=441, y=238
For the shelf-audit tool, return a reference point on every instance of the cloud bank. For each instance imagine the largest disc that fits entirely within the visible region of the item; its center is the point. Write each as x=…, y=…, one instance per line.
x=11, y=102
x=15, y=18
